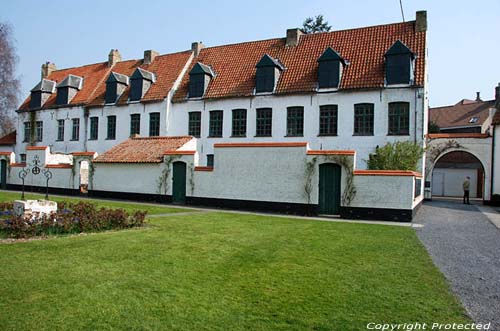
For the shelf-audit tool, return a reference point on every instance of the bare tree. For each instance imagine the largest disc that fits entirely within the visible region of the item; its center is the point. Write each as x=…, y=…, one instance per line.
x=9, y=82
x=315, y=24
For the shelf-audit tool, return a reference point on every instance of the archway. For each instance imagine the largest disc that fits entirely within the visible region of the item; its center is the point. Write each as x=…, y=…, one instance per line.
x=450, y=171
x=84, y=177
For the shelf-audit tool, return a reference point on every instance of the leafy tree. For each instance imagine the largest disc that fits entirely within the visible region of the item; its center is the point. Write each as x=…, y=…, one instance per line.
x=403, y=155
x=433, y=127
x=315, y=24
x=9, y=83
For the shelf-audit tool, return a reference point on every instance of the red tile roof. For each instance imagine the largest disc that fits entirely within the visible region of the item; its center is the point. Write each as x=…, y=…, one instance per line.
x=142, y=150
x=167, y=69
x=364, y=48
x=8, y=139
x=460, y=114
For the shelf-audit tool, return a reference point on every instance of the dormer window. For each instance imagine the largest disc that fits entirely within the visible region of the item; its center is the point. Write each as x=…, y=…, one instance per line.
x=115, y=86
x=68, y=88
x=330, y=67
x=399, y=64
x=41, y=92
x=199, y=78
x=267, y=74
x=140, y=82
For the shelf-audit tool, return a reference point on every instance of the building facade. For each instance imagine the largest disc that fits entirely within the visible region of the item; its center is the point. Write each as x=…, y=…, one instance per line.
x=326, y=97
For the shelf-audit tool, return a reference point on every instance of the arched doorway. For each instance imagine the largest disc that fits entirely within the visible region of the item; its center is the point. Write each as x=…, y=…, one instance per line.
x=3, y=174
x=450, y=171
x=329, y=188
x=179, y=182
x=84, y=177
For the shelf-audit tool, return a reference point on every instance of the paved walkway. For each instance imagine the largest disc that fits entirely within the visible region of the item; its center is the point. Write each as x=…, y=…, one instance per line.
x=465, y=245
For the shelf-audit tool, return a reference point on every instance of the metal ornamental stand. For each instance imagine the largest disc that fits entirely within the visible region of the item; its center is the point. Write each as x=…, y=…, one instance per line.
x=35, y=170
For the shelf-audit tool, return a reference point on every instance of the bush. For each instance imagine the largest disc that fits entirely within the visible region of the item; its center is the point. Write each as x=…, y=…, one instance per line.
x=403, y=155
x=72, y=218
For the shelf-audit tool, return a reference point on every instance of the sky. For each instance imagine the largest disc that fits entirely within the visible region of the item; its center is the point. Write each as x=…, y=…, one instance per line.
x=463, y=35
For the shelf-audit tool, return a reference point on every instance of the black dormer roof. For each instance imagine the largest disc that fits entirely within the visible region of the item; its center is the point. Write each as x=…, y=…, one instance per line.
x=143, y=74
x=200, y=68
x=268, y=61
x=72, y=81
x=331, y=55
x=45, y=86
x=399, y=48
x=115, y=77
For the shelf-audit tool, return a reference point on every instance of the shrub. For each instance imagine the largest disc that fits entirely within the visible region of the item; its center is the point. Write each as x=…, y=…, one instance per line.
x=403, y=155
x=78, y=217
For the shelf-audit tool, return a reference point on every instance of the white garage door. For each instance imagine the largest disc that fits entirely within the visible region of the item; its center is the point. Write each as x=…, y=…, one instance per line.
x=448, y=182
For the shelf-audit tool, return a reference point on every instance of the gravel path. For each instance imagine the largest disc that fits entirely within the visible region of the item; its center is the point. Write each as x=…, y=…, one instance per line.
x=466, y=247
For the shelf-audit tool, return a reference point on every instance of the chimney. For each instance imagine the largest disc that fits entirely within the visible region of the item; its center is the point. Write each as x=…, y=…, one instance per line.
x=114, y=57
x=196, y=47
x=149, y=56
x=478, y=96
x=497, y=97
x=293, y=36
x=47, y=69
x=421, y=21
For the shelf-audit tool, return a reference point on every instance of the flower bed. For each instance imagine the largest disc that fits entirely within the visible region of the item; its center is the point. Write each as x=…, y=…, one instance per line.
x=70, y=218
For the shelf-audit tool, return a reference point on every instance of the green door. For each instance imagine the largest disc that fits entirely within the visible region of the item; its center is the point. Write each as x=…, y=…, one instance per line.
x=179, y=182
x=329, y=189
x=3, y=174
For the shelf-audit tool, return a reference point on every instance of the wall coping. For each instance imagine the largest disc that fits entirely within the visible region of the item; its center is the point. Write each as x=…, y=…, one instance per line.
x=331, y=152
x=203, y=168
x=457, y=135
x=179, y=153
x=387, y=173
x=36, y=148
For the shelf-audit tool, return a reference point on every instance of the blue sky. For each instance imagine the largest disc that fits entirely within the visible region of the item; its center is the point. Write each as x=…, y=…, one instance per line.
x=462, y=38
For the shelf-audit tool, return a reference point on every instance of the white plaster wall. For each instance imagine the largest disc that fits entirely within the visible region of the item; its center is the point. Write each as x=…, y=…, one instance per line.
x=122, y=114
x=392, y=192
x=61, y=178
x=496, y=175
x=178, y=119
x=49, y=118
x=127, y=177
x=258, y=174
x=11, y=148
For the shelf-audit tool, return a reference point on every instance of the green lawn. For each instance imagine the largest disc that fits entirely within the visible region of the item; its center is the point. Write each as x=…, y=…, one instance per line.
x=219, y=271
x=127, y=206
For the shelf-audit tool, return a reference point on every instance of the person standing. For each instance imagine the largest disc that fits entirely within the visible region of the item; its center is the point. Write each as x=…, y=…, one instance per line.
x=466, y=187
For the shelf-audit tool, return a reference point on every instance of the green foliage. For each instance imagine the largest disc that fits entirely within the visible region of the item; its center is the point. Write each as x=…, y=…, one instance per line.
x=402, y=155
x=78, y=217
x=432, y=127
x=315, y=24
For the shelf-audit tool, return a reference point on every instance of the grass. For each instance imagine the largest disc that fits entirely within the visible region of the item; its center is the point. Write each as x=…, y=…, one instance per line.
x=219, y=271
x=127, y=206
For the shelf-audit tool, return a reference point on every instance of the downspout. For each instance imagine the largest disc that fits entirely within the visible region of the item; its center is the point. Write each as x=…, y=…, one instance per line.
x=85, y=124
x=415, y=125
x=492, y=162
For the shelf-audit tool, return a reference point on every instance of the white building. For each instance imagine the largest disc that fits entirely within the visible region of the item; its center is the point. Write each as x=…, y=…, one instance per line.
x=327, y=97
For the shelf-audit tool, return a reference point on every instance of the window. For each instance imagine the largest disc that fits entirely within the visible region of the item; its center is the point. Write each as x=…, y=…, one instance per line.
x=39, y=131
x=267, y=74
x=239, y=123
x=27, y=132
x=399, y=118
x=264, y=125
x=399, y=64
x=363, y=119
x=140, y=82
x=135, y=124
x=199, y=78
x=60, y=130
x=215, y=125
x=330, y=66
x=111, y=128
x=328, y=120
x=210, y=160
x=194, y=125
x=75, y=133
x=23, y=158
x=94, y=128
x=154, y=124
x=295, y=121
